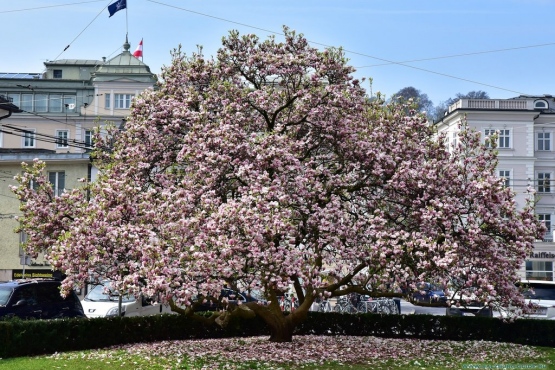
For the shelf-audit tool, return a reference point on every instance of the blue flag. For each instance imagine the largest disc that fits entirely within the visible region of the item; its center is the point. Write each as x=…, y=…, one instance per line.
x=118, y=5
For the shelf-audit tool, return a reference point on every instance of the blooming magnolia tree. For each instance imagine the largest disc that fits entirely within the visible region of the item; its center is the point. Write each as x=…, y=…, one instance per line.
x=268, y=166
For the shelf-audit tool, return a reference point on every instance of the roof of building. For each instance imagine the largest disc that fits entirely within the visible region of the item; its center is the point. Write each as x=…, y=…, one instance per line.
x=76, y=62
x=20, y=75
x=544, y=96
x=124, y=65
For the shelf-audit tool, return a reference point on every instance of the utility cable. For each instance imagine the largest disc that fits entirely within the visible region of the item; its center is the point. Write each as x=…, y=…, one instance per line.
x=44, y=137
x=346, y=50
x=76, y=37
x=461, y=55
x=49, y=6
x=67, y=123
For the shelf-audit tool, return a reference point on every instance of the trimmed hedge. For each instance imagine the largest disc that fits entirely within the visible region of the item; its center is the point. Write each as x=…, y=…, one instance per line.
x=28, y=338
x=430, y=327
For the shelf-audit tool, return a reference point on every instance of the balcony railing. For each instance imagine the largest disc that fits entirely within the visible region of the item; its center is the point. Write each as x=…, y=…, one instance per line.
x=523, y=104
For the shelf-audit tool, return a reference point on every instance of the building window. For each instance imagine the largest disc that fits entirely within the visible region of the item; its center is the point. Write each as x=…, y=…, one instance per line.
x=107, y=100
x=544, y=141
x=41, y=102
x=544, y=182
x=15, y=98
x=62, y=137
x=454, y=140
x=69, y=102
x=506, y=176
x=539, y=270
x=545, y=218
x=89, y=138
x=540, y=104
x=503, y=137
x=58, y=181
x=122, y=101
x=29, y=139
x=27, y=102
x=55, y=103
x=57, y=73
x=504, y=140
x=33, y=185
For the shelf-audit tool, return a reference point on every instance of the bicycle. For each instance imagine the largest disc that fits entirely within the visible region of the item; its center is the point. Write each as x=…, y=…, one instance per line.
x=324, y=306
x=344, y=305
x=381, y=306
x=321, y=305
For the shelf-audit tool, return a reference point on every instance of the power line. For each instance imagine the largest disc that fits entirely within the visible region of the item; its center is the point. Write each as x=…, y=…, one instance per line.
x=387, y=62
x=346, y=50
x=67, y=123
x=76, y=37
x=49, y=6
x=44, y=137
x=7, y=196
x=461, y=55
x=50, y=119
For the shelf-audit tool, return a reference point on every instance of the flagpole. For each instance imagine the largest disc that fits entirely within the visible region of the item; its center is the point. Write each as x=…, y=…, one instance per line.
x=126, y=25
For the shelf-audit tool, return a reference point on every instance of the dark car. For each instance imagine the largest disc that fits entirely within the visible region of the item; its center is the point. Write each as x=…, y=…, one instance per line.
x=37, y=299
x=430, y=294
x=540, y=292
x=226, y=294
x=231, y=297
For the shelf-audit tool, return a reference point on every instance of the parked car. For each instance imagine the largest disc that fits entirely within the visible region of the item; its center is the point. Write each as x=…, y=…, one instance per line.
x=542, y=296
x=430, y=294
x=37, y=299
x=232, y=297
x=103, y=301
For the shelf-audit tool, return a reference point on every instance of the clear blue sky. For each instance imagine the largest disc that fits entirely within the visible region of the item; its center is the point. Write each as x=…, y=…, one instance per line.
x=374, y=32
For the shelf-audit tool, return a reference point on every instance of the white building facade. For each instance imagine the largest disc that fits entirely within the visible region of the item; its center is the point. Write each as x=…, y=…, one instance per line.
x=525, y=128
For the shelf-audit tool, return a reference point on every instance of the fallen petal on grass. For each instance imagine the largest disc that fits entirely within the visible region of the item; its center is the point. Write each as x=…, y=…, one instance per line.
x=258, y=352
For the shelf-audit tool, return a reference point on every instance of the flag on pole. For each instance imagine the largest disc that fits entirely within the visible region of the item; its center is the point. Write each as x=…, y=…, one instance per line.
x=139, y=51
x=117, y=6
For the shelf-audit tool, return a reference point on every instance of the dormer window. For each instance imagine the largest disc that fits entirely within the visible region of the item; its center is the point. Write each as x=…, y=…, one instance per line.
x=541, y=104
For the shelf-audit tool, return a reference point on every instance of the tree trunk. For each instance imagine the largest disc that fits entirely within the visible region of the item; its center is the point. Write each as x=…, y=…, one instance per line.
x=281, y=325
x=281, y=330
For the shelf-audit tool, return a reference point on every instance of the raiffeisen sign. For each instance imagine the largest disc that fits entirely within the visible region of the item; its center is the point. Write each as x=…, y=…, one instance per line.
x=549, y=255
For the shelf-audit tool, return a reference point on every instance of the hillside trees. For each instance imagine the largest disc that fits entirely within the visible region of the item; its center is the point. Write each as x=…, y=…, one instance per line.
x=419, y=100
x=268, y=166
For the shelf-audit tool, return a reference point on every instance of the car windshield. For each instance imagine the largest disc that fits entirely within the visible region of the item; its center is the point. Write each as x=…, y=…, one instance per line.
x=428, y=286
x=5, y=294
x=541, y=293
x=103, y=292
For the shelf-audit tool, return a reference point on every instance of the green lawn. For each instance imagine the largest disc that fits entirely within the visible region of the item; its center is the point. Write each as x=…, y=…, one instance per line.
x=309, y=353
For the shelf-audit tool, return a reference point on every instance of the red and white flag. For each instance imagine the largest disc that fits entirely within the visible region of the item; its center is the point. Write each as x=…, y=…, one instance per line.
x=139, y=51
